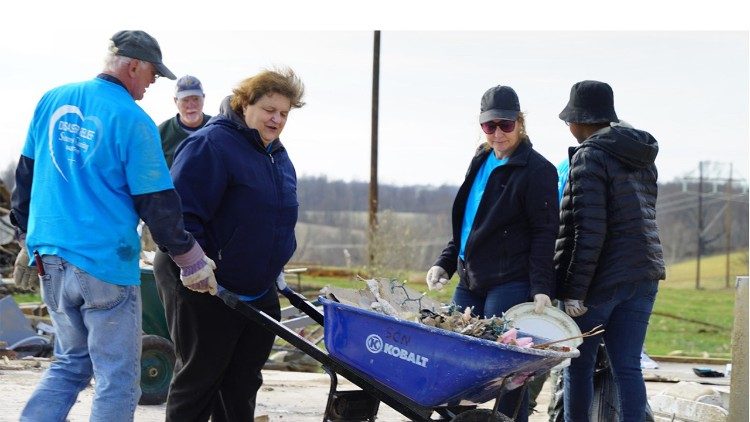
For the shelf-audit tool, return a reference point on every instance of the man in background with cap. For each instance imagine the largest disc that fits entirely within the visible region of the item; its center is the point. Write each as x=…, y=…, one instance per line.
x=188, y=98
x=90, y=168
x=608, y=257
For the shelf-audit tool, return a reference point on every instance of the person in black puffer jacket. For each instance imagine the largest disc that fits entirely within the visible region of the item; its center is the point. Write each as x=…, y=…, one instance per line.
x=608, y=257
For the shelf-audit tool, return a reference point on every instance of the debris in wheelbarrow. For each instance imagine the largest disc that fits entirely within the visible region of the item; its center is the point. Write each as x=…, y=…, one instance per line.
x=394, y=298
x=386, y=296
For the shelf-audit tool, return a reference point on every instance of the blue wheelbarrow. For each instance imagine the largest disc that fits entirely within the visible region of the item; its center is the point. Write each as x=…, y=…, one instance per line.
x=415, y=369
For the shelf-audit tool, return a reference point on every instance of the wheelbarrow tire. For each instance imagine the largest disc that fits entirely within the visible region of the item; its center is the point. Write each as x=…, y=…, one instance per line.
x=481, y=415
x=157, y=364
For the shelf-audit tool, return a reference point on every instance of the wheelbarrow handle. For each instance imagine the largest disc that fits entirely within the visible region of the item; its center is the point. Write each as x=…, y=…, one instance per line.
x=297, y=300
x=300, y=302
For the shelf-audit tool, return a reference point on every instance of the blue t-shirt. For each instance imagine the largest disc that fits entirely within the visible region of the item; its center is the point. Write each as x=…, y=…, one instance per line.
x=562, y=177
x=93, y=148
x=475, y=197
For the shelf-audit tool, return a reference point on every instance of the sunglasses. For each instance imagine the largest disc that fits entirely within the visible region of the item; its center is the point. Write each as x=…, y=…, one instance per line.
x=506, y=126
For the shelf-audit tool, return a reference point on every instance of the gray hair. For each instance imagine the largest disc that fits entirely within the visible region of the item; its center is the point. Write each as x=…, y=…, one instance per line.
x=113, y=62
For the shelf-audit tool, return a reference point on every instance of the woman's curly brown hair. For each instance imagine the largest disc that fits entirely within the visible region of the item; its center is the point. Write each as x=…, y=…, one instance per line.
x=279, y=81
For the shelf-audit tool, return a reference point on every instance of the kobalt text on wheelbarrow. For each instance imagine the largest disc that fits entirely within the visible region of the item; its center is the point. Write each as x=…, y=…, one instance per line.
x=415, y=369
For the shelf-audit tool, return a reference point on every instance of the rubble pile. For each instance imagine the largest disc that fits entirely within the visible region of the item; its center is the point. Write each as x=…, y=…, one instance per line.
x=394, y=298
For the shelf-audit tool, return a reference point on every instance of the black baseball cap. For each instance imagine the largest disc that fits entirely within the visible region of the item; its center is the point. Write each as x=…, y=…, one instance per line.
x=142, y=46
x=499, y=102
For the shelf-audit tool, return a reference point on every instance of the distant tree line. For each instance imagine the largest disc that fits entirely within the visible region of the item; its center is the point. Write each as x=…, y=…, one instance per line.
x=321, y=194
x=415, y=220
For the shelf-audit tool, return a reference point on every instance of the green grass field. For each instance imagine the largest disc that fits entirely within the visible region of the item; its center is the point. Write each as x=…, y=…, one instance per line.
x=696, y=322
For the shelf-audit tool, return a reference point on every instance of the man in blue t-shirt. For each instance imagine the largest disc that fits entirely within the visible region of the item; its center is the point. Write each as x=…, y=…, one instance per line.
x=91, y=167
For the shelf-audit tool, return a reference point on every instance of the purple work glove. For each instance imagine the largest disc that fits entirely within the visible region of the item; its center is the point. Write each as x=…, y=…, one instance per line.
x=197, y=270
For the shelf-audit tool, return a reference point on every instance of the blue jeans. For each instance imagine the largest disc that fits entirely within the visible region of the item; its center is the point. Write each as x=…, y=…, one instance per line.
x=625, y=316
x=494, y=302
x=97, y=333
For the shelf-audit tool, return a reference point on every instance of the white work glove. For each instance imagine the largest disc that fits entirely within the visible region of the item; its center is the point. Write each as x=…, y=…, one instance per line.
x=281, y=281
x=437, y=278
x=24, y=275
x=574, y=307
x=540, y=302
x=197, y=270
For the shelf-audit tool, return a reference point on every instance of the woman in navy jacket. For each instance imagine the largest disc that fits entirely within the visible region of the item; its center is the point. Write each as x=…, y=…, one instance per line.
x=505, y=219
x=239, y=198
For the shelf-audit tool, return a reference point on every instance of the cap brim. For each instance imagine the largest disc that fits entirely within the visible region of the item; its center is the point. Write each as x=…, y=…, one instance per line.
x=163, y=71
x=565, y=115
x=188, y=93
x=577, y=115
x=498, y=114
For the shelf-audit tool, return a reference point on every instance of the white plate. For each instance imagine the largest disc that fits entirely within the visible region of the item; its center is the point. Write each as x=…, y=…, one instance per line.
x=552, y=324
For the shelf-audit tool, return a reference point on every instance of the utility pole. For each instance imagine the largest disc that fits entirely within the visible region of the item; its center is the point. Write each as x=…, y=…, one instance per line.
x=373, y=213
x=700, y=227
x=728, y=226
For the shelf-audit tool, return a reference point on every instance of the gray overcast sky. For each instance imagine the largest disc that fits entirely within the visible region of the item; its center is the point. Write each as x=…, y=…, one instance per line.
x=688, y=87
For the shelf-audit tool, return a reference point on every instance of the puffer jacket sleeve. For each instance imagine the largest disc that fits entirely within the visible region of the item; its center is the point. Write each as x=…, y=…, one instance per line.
x=541, y=207
x=588, y=179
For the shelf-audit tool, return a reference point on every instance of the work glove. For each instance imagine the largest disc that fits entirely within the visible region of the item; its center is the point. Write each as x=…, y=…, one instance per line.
x=197, y=270
x=574, y=307
x=437, y=278
x=540, y=302
x=24, y=275
x=281, y=281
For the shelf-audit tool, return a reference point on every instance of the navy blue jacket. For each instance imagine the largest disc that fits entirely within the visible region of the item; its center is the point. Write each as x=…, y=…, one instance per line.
x=239, y=201
x=513, y=237
x=608, y=232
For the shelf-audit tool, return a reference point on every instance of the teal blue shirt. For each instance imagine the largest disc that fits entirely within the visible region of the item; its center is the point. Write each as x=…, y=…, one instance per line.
x=562, y=177
x=475, y=197
x=93, y=149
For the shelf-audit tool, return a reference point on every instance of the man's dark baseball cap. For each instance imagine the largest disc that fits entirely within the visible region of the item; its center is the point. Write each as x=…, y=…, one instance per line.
x=590, y=102
x=142, y=46
x=499, y=102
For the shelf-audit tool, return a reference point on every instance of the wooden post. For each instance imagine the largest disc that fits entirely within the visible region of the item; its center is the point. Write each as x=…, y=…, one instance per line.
x=699, y=247
x=738, y=391
x=373, y=206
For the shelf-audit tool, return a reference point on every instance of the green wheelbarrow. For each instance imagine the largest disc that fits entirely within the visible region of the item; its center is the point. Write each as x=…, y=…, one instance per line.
x=157, y=351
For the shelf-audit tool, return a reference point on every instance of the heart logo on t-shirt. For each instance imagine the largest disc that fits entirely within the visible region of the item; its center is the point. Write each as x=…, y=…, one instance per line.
x=72, y=138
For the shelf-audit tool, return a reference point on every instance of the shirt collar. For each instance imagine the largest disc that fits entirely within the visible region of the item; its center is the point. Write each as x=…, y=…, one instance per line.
x=112, y=79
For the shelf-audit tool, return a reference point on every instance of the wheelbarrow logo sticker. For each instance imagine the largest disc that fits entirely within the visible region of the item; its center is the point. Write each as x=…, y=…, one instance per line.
x=375, y=344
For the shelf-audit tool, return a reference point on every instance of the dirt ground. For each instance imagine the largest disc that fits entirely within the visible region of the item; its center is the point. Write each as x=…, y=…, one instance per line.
x=288, y=396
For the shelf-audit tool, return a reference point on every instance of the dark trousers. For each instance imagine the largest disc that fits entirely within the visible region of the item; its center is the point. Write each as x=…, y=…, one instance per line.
x=495, y=302
x=220, y=353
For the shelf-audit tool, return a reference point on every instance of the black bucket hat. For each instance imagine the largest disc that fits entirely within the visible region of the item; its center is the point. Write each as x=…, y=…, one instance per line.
x=590, y=102
x=142, y=46
x=499, y=102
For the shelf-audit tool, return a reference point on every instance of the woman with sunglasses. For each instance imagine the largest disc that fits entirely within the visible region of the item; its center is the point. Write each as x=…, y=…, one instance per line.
x=505, y=221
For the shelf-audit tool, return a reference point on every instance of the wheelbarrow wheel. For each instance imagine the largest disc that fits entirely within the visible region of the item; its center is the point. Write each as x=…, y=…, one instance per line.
x=481, y=415
x=157, y=364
